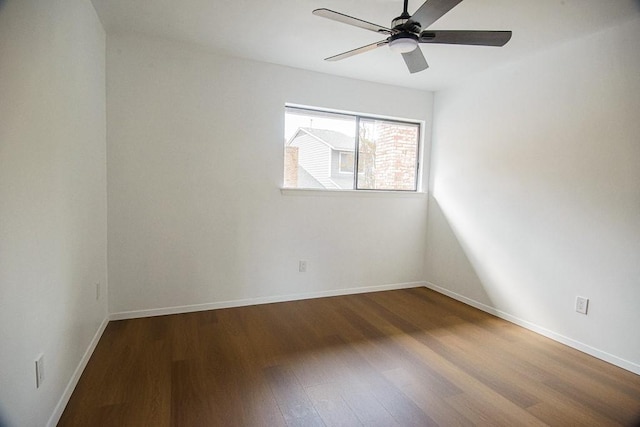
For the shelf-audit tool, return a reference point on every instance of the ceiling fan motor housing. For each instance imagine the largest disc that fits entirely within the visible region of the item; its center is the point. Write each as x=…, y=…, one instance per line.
x=398, y=22
x=404, y=23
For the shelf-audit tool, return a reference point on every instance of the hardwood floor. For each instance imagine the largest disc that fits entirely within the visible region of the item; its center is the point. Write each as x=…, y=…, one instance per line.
x=398, y=358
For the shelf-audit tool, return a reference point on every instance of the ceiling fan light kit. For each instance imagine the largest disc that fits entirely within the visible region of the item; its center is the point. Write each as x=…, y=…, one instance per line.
x=408, y=30
x=403, y=42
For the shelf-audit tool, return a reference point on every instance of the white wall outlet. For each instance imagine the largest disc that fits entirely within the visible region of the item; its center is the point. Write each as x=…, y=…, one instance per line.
x=39, y=370
x=97, y=291
x=302, y=266
x=582, y=305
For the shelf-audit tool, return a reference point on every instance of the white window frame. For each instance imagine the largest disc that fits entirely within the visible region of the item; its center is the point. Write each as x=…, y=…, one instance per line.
x=419, y=151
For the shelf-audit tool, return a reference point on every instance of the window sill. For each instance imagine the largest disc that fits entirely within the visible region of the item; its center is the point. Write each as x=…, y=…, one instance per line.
x=314, y=192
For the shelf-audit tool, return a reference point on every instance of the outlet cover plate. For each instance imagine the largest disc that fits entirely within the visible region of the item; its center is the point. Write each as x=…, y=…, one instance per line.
x=39, y=370
x=582, y=305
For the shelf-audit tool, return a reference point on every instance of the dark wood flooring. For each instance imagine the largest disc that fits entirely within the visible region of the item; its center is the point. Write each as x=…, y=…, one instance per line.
x=398, y=358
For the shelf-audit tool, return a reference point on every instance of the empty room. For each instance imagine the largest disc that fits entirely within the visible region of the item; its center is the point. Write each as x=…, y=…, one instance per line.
x=319, y=213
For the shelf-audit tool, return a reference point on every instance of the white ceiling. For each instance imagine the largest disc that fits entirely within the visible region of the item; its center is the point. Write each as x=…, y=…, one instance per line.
x=285, y=32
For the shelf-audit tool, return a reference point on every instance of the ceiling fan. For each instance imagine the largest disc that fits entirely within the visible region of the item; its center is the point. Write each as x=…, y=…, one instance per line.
x=408, y=30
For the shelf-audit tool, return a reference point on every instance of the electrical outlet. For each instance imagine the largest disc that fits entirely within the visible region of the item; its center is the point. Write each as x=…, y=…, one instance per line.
x=582, y=305
x=97, y=291
x=39, y=370
x=302, y=266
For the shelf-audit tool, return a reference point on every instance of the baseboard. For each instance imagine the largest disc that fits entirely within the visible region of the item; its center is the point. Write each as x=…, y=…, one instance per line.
x=256, y=301
x=62, y=403
x=599, y=354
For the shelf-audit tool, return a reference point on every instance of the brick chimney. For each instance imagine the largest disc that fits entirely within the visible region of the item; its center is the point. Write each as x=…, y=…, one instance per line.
x=291, y=167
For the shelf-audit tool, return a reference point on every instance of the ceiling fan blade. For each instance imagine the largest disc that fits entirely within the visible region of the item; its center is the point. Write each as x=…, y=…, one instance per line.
x=476, y=38
x=431, y=11
x=415, y=60
x=357, y=51
x=346, y=19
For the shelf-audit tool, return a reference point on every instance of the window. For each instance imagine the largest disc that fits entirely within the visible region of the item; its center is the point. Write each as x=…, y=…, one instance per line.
x=347, y=162
x=338, y=151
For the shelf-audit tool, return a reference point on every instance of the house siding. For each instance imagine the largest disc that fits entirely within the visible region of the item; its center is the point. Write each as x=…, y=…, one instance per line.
x=315, y=158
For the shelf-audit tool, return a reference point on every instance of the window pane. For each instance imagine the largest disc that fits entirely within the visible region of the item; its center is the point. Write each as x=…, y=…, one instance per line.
x=347, y=162
x=318, y=148
x=387, y=155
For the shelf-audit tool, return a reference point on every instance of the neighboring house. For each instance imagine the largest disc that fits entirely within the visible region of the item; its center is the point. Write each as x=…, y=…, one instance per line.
x=319, y=158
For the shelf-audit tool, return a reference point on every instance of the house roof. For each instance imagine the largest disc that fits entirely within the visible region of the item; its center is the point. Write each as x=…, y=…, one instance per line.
x=336, y=140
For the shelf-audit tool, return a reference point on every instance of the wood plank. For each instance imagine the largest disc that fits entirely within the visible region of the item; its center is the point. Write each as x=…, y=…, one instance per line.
x=366, y=406
x=331, y=406
x=295, y=405
x=424, y=396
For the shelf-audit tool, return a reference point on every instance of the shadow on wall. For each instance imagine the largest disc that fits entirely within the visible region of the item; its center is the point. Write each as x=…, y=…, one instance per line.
x=448, y=263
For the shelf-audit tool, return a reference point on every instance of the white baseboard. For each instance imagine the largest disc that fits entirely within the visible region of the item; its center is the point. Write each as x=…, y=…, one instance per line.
x=256, y=301
x=62, y=403
x=602, y=355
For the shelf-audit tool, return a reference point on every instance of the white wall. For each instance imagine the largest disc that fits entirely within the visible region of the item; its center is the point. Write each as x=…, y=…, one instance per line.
x=536, y=192
x=195, y=166
x=52, y=199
